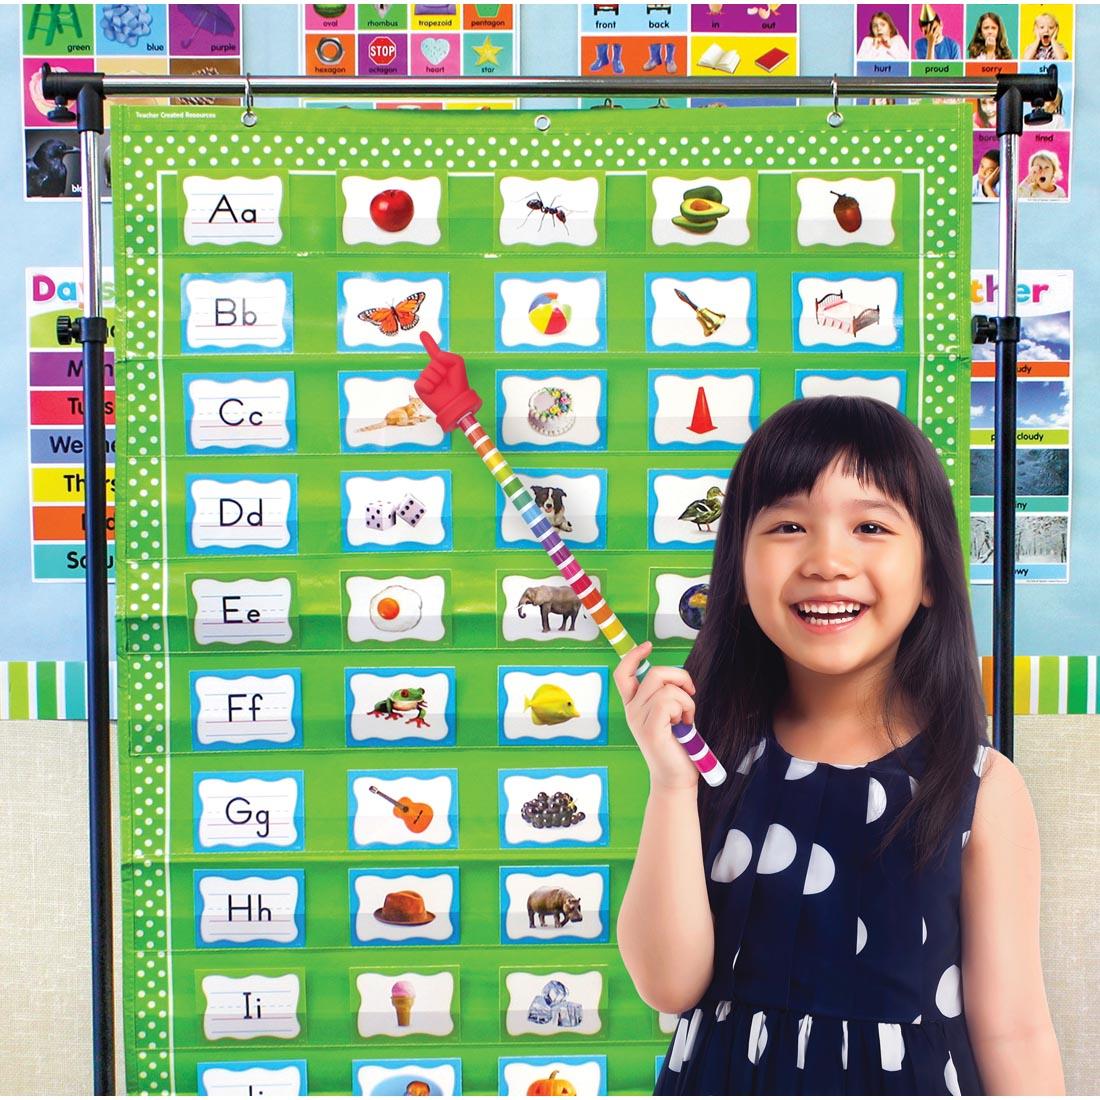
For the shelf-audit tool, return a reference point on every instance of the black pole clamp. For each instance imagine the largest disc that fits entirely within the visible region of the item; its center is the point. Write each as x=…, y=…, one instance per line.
x=1000, y=330
x=81, y=330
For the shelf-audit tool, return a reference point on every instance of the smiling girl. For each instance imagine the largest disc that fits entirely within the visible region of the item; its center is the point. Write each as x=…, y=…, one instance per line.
x=816, y=922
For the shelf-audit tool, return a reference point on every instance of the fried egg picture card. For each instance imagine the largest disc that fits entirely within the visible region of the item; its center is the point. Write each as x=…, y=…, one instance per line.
x=544, y=609
x=390, y=210
x=691, y=313
x=389, y=312
x=563, y=410
x=385, y=707
x=395, y=608
x=379, y=411
x=539, y=312
x=681, y=604
x=223, y=314
x=389, y=511
x=685, y=507
x=574, y=503
x=550, y=211
x=883, y=385
x=837, y=312
x=700, y=211
x=702, y=410
x=845, y=211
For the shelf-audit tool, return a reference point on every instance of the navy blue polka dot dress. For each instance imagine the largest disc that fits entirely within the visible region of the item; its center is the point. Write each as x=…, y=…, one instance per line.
x=834, y=973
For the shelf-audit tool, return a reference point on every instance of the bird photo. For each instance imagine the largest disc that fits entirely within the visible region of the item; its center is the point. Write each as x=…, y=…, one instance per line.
x=50, y=174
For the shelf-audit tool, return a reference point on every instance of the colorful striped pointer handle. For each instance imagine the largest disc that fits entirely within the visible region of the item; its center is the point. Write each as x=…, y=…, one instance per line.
x=443, y=387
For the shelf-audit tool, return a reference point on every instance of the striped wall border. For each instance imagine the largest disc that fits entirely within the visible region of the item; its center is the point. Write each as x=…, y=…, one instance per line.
x=55, y=689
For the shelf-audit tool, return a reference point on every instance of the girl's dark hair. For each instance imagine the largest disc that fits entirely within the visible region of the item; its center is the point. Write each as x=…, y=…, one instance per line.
x=977, y=42
x=739, y=673
x=881, y=15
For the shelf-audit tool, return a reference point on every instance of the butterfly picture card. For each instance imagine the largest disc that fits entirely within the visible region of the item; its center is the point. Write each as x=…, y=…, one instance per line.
x=693, y=312
x=835, y=312
x=883, y=385
x=380, y=411
x=389, y=312
x=384, y=211
x=545, y=311
x=703, y=410
x=550, y=211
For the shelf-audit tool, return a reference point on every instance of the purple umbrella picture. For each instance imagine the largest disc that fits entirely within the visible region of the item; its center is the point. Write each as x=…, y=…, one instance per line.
x=206, y=17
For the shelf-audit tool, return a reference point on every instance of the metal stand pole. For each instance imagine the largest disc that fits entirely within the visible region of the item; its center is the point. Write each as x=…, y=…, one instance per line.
x=91, y=331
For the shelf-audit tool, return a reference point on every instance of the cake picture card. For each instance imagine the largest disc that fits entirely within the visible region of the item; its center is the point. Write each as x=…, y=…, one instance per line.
x=563, y=410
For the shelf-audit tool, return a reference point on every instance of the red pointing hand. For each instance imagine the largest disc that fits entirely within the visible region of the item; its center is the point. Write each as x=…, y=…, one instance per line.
x=443, y=387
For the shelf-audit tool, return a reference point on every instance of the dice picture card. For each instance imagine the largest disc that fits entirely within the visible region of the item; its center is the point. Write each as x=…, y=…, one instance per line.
x=379, y=798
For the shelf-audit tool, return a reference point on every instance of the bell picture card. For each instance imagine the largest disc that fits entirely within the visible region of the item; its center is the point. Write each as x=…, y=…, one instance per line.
x=837, y=313
x=386, y=706
x=394, y=809
x=846, y=211
x=883, y=385
x=538, y=705
x=686, y=312
x=392, y=905
x=574, y=814
x=260, y=709
x=392, y=210
x=574, y=503
x=566, y=312
x=244, y=413
x=554, y=904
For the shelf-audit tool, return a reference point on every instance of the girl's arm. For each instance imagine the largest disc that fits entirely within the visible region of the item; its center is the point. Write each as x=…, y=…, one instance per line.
x=1005, y=1001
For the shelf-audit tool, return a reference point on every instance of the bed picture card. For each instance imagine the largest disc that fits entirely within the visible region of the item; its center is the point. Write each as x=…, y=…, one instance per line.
x=835, y=313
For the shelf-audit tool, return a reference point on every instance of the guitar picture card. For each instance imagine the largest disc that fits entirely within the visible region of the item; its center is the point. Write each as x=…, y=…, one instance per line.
x=403, y=809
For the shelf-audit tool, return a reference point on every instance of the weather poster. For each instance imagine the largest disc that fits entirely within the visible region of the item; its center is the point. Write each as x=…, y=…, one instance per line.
x=119, y=40
x=1044, y=413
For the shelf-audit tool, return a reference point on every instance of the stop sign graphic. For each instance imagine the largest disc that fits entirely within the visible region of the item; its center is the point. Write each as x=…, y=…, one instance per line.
x=382, y=51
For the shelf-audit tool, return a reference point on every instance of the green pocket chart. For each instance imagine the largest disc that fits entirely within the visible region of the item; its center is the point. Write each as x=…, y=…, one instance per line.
x=380, y=801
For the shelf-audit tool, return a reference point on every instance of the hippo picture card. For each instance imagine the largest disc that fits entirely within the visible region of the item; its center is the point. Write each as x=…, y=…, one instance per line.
x=554, y=904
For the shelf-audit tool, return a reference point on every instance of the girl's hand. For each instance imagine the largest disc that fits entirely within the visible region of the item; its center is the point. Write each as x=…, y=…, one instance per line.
x=663, y=699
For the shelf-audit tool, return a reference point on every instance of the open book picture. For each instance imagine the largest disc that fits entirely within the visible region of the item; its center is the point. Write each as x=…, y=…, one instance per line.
x=714, y=57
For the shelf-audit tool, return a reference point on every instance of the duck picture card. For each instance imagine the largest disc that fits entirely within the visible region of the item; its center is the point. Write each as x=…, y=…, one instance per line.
x=685, y=507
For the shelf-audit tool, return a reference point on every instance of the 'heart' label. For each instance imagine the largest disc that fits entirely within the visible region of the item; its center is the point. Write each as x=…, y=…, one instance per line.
x=435, y=50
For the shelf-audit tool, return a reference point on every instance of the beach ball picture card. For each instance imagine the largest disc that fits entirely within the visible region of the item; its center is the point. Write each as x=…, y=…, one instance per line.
x=392, y=210
x=694, y=211
x=542, y=211
x=836, y=312
x=541, y=312
x=846, y=210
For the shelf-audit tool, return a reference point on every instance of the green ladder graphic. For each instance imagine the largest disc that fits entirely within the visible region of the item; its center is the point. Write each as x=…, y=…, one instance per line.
x=57, y=18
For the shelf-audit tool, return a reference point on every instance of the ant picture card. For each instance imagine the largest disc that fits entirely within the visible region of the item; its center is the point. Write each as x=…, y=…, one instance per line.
x=553, y=1003
x=386, y=707
x=702, y=409
x=883, y=385
x=395, y=608
x=242, y=611
x=573, y=502
x=400, y=1003
x=234, y=210
x=396, y=511
x=681, y=604
x=543, y=609
x=250, y=908
x=402, y=1077
x=685, y=507
x=689, y=312
x=550, y=211
x=834, y=313
x=845, y=211
x=244, y=413
x=553, y=807
x=380, y=313
x=225, y=314
x=565, y=1075
x=233, y=515
x=392, y=210
x=584, y=1074
x=701, y=211
x=565, y=410
x=404, y=905
x=241, y=812
x=379, y=411
x=257, y=709
x=252, y=1006
x=537, y=705
x=554, y=904
x=544, y=311
x=403, y=809
x=270, y=1078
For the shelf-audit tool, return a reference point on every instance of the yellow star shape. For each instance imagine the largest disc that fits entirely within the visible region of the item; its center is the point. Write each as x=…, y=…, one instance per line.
x=487, y=53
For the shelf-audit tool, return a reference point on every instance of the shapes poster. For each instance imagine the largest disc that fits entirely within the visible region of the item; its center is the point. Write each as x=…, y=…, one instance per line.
x=944, y=40
x=380, y=800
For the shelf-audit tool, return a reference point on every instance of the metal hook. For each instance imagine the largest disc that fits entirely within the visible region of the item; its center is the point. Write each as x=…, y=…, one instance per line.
x=249, y=116
x=834, y=117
